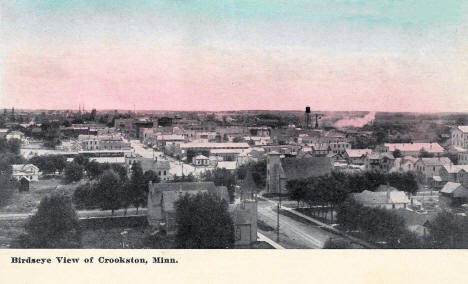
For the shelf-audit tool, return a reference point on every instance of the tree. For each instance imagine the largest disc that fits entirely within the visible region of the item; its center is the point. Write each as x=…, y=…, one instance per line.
x=203, y=222
x=84, y=197
x=258, y=170
x=448, y=231
x=93, y=169
x=424, y=154
x=221, y=177
x=73, y=172
x=81, y=159
x=55, y=225
x=49, y=164
x=397, y=153
x=109, y=191
x=138, y=188
x=185, y=178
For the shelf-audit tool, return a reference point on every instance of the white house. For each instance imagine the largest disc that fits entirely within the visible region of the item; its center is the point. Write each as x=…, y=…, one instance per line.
x=386, y=197
x=29, y=171
x=201, y=160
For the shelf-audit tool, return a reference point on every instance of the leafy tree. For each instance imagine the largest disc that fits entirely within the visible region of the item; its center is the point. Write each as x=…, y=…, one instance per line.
x=448, y=231
x=397, y=153
x=55, y=225
x=93, y=169
x=203, y=222
x=185, y=178
x=118, y=169
x=138, y=188
x=237, y=139
x=151, y=176
x=424, y=154
x=221, y=177
x=84, y=197
x=73, y=172
x=109, y=191
x=376, y=225
x=81, y=159
x=258, y=170
x=49, y=163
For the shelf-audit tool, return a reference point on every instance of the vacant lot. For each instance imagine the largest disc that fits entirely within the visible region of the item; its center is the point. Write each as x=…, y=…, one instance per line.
x=26, y=202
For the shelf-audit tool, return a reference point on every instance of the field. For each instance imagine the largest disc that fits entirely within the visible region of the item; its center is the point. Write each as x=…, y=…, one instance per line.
x=26, y=202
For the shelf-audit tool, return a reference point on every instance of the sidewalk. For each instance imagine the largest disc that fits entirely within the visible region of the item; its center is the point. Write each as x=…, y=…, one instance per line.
x=263, y=238
x=323, y=225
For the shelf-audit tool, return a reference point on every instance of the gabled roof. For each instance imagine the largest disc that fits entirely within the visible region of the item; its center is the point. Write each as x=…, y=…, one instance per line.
x=228, y=165
x=454, y=169
x=201, y=157
x=439, y=161
x=373, y=198
x=463, y=128
x=23, y=167
x=378, y=156
x=450, y=187
x=415, y=147
x=357, y=153
x=150, y=164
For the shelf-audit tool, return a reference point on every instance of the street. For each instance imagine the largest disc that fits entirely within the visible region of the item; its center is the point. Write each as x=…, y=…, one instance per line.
x=177, y=167
x=293, y=234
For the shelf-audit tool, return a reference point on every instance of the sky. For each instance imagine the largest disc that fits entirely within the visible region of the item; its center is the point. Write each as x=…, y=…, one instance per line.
x=388, y=55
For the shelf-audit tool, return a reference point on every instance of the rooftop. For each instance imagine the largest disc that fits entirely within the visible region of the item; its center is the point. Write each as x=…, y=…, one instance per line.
x=415, y=147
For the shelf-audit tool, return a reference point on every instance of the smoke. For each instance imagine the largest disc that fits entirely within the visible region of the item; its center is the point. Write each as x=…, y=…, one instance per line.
x=355, y=121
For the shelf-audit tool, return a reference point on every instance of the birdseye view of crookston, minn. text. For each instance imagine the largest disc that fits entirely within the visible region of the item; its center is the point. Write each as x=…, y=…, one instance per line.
x=233, y=125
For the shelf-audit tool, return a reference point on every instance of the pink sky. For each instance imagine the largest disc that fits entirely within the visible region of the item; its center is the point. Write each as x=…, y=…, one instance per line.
x=165, y=59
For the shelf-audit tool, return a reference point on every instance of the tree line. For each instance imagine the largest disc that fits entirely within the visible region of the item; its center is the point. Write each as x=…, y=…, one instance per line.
x=9, y=155
x=112, y=190
x=327, y=192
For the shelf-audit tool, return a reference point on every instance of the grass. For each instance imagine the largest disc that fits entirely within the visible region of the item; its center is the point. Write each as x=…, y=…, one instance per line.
x=26, y=202
x=10, y=231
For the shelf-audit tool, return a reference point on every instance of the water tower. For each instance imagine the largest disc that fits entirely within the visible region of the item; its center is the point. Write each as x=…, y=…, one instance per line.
x=307, y=117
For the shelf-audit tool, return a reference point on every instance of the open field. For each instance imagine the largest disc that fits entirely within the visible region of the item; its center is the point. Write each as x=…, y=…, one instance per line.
x=26, y=202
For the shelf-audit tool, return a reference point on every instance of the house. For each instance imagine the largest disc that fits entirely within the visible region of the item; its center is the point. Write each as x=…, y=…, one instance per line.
x=453, y=194
x=413, y=149
x=404, y=164
x=462, y=177
x=430, y=167
x=162, y=196
x=379, y=162
x=30, y=171
x=459, y=136
x=15, y=135
x=160, y=168
x=244, y=213
x=226, y=154
x=462, y=156
x=201, y=160
x=3, y=132
x=386, y=197
x=339, y=147
x=450, y=172
x=228, y=165
x=280, y=170
x=356, y=156
x=320, y=149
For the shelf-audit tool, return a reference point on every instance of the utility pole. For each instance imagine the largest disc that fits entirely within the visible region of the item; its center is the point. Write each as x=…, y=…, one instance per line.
x=278, y=204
